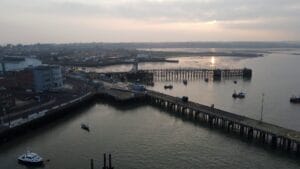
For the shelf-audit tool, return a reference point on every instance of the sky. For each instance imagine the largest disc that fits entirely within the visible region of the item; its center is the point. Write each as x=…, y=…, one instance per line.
x=63, y=21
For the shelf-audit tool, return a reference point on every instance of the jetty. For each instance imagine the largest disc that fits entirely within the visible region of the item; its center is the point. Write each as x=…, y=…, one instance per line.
x=196, y=73
x=276, y=136
x=150, y=75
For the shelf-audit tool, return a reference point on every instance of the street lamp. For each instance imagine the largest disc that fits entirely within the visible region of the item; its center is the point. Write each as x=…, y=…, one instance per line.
x=262, y=107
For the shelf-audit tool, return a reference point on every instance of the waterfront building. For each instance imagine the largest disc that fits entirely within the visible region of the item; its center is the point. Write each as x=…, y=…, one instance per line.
x=39, y=79
x=7, y=100
x=17, y=64
x=47, y=78
x=22, y=79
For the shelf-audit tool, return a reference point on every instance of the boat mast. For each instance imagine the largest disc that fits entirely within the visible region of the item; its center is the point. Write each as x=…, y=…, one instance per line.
x=262, y=107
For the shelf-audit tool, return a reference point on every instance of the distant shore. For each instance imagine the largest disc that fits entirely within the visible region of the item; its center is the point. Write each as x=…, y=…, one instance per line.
x=156, y=56
x=222, y=54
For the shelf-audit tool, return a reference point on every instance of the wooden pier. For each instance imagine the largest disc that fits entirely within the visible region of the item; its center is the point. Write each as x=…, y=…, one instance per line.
x=194, y=73
x=150, y=75
x=265, y=133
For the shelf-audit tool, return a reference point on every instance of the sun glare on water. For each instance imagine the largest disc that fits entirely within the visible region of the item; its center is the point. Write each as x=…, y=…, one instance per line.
x=212, y=61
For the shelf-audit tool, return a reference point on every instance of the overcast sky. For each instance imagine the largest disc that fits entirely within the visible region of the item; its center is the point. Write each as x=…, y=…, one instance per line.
x=32, y=21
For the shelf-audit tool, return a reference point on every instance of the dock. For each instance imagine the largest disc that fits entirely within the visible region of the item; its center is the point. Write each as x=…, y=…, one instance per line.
x=276, y=136
x=147, y=76
x=265, y=133
x=120, y=92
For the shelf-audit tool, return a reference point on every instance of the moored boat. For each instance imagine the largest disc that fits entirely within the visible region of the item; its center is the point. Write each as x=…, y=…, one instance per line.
x=168, y=86
x=30, y=158
x=184, y=99
x=85, y=127
x=239, y=95
x=295, y=99
x=184, y=82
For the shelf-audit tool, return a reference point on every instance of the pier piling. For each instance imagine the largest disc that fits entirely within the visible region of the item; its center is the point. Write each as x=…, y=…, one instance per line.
x=92, y=164
x=104, y=161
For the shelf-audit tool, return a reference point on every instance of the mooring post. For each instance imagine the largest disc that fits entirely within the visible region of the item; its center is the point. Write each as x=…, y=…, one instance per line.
x=263, y=137
x=241, y=130
x=283, y=144
x=288, y=145
x=210, y=121
x=109, y=162
x=230, y=126
x=274, y=141
x=250, y=133
x=196, y=115
x=92, y=164
x=104, y=161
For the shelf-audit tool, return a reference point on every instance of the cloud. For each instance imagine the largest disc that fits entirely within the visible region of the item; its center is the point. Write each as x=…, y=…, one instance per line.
x=168, y=10
x=202, y=16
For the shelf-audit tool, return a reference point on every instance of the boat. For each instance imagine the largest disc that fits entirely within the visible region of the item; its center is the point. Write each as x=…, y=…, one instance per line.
x=295, y=99
x=85, y=127
x=168, y=86
x=30, y=158
x=239, y=95
x=206, y=79
x=184, y=82
x=184, y=99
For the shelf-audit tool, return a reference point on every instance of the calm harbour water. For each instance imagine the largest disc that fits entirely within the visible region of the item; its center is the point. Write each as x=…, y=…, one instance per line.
x=146, y=137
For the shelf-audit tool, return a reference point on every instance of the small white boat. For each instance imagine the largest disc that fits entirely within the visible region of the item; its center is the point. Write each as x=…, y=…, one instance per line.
x=30, y=158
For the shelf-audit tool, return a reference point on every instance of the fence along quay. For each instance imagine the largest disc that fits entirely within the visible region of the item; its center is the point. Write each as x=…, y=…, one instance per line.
x=277, y=137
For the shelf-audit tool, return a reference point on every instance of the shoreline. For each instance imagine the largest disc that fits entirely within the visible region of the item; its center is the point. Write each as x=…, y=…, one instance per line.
x=20, y=124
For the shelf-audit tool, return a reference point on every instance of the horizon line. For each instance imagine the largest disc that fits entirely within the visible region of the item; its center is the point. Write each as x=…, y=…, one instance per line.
x=144, y=42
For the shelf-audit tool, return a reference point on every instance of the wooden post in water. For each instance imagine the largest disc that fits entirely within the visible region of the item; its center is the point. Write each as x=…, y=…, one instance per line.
x=109, y=162
x=104, y=161
x=92, y=164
